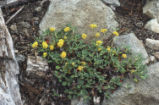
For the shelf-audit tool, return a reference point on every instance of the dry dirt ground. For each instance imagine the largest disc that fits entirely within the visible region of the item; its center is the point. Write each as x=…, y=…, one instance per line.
x=24, y=28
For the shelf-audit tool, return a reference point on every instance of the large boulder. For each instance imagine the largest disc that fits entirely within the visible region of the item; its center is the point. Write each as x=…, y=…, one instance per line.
x=112, y=3
x=9, y=69
x=145, y=92
x=152, y=25
x=152, y=9
x=79, y=13
x=133, y=43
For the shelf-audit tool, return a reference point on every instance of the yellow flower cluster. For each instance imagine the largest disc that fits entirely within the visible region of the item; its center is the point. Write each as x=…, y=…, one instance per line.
x=108, y=48
x=63, y=54
x=51, y=47
x=83, y=63
x=97, y=35
x=99, y=49
x=65, y=37
x=67, y=29
x=44, y=54
x=93, y=26
x=124, y=56
x=35, y=44
x=103, y=30
x=44, y=45
x=99, y=42
x=84, y=36
x=73, y=64
x=115, y=33
x=133, y=71
x=80, y=68
x=60, y=43
x=52, y=29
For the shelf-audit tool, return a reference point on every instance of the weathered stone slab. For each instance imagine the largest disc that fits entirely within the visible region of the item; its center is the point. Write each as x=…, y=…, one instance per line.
x=135, y=45
x=9, y=69
x=145, y=92
x=79, y=13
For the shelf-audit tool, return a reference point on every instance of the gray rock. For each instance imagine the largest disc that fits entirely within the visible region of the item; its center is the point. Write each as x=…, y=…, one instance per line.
x=20, y=58
x=152, y=58
x=96, y=100
x=36, y=66
x=79, y=13
x=152, y=9
x=131, y=41
x=152, y=25
x=9, y=69
x=152, y=44
x=80, y=101
x=113, y=3
x=38, y=9
x=145, y=92
x=156, y=54
x=13, y=27
x=25, y=24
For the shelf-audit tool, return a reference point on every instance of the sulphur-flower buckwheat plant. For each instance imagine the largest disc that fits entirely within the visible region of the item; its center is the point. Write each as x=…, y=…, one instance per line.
x=93, y=26
x=103, y=30
x=63, y=54
x=86, y=68
x=52, y=29
x=97, y=35
x=44, y=44
x=115, y=33
x=35, y=44
x=67, y=29
x=84, y=36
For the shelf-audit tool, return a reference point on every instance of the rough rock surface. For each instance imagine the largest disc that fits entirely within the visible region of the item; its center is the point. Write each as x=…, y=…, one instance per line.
x=145, y=92
x=153, y=44
x=152, y=9
x=79, y=13
x=9, y=69
x=79, y=102
x=152, y=25
x=131, y=41
x=36, y=66
x=114, y=3
x=156, y=54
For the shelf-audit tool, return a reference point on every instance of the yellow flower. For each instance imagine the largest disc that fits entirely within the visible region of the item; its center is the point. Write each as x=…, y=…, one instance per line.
x=99, y=49
x=99, y=42
x=44, y=54
x=63, y=54
x=67, y=29
x=51, y=47
x=65, y=37
x=35, y=44
x=93, y=26
x=103, y=30
x=124, y=55
x=60, y=43
x=80, y=68
x=83, y=63
x=108, y=48
x=97, y=34
x=116, y=33
x=132, y=71
x=44, y=45
x=73, y=64
x=84, y=36
x=52, y=29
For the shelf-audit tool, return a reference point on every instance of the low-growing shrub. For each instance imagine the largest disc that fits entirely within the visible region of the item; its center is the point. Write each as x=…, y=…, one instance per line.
x=86, y=69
